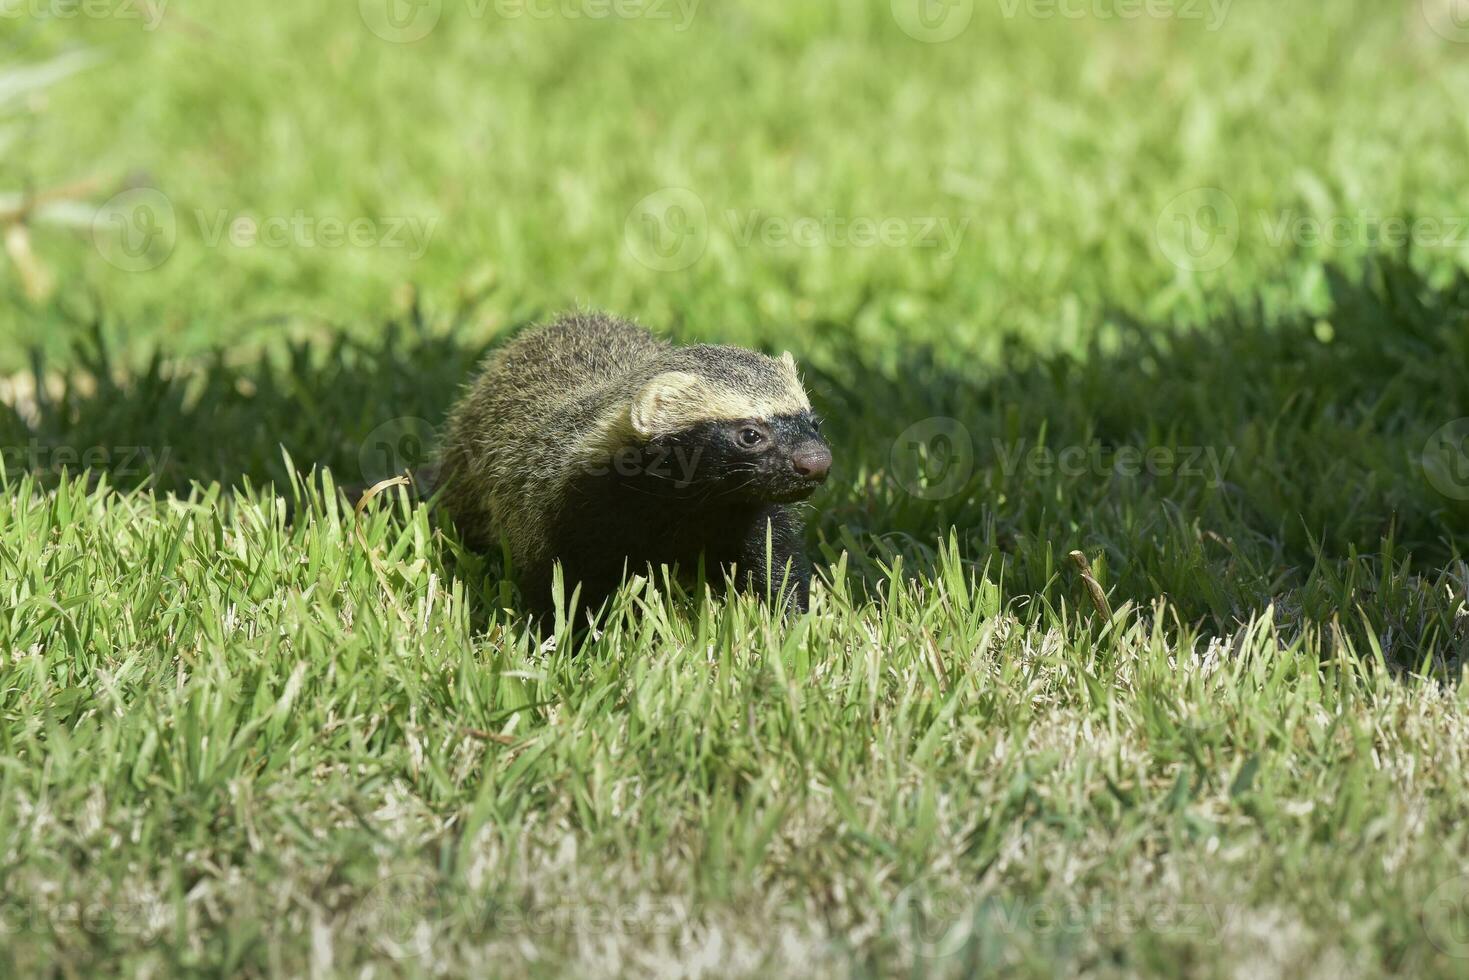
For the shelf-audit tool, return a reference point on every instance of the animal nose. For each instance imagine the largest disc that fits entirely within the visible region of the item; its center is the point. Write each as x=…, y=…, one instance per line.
x=812, y=462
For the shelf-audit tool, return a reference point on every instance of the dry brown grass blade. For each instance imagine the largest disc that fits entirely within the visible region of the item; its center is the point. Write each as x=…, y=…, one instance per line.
x=77, y=190
x=1093, y=587
x=35, y=279
x=937, y=663
x=495, y=737
x=377, y=566
x=377, y=488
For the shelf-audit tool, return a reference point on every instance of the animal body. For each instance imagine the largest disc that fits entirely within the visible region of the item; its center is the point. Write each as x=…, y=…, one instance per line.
x=592, y=443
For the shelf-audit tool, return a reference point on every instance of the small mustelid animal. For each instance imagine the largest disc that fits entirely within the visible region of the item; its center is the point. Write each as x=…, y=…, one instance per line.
x=592, y=443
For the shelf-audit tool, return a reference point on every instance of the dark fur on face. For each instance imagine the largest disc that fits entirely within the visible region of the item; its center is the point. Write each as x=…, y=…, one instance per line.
x=778, y=460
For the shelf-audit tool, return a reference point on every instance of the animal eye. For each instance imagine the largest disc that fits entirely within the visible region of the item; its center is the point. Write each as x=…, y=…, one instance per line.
x=750, y=438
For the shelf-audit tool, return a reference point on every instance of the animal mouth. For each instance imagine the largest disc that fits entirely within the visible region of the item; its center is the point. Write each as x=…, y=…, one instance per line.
x=793, y=495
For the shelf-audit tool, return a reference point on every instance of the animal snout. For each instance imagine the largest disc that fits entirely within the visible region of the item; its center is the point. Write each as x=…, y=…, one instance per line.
x=812, y=462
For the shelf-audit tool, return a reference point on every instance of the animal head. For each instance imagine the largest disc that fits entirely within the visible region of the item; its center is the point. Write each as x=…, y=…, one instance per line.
x=733, y=423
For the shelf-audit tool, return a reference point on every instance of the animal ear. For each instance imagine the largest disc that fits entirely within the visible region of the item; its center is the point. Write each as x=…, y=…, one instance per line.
x=663, y=403
x=788, y=361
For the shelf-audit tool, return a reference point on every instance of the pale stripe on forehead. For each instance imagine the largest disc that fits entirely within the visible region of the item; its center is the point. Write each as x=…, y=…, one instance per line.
x=678, y=400
x=727, y=404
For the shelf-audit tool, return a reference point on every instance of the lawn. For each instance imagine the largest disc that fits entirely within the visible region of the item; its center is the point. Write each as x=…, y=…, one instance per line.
x=1180, y=285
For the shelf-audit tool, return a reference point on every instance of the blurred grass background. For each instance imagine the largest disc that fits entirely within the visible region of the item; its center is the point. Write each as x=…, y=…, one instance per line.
x=525, y=142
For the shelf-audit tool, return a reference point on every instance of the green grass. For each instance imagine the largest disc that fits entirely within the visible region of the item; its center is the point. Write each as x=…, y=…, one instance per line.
x=230, y=741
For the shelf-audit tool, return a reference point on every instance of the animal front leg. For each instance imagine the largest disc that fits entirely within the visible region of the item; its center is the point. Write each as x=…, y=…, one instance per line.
x=772, y=560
